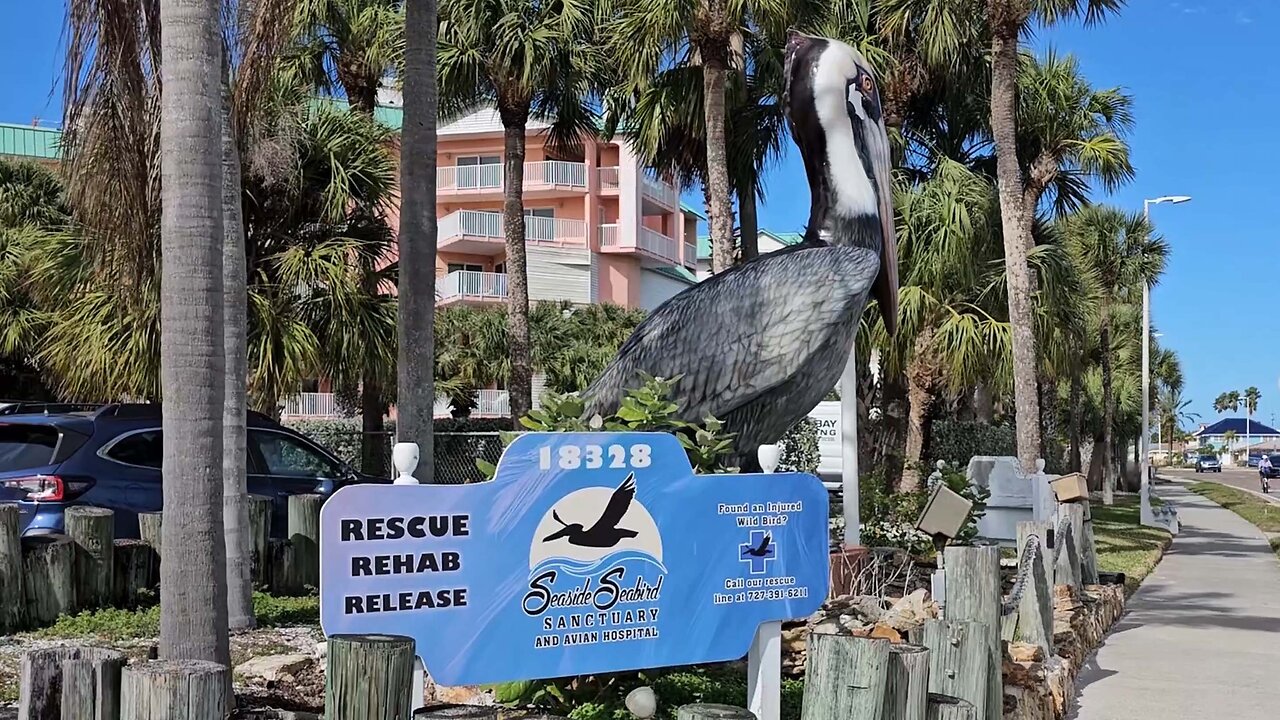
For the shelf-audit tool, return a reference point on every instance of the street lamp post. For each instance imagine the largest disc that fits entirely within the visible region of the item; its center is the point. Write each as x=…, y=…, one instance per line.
x=1147, y=517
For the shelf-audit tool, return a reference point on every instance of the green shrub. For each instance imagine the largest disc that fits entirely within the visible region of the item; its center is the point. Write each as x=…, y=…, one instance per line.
x=116, y=624
x=958, y=441
x=800, y=448
x=889, y=518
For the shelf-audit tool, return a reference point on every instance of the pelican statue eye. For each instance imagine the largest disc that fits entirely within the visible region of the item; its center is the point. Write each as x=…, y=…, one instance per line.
x=869, y=100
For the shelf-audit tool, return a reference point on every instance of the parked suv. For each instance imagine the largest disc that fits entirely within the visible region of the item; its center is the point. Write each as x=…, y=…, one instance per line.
x=1208, y=463
x=110, y=457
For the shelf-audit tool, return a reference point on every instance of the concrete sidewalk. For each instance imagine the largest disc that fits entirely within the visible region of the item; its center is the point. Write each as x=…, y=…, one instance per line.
x=1201, y=638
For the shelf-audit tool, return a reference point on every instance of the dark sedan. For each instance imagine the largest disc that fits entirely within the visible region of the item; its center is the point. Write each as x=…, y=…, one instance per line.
x=110, y=457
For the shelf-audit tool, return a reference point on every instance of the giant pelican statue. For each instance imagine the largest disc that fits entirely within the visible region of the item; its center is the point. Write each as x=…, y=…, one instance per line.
x=760, y=345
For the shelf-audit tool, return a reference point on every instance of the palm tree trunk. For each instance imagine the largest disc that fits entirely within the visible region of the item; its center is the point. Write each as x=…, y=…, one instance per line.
x=1004, y=88
x=747, y=218
x=520, y=384
x=193, y=582
x=720, y=205
x=372, y=425
x=1077, y=417
x=1108, y=408
x=984, y=406
x=235, y=316
x=921, y=398
x=415, y=367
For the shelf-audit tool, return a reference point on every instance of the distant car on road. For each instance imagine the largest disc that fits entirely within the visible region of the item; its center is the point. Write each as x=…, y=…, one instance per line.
x=1208, y=463
x=1254, y=459
x=1274, y=472
x=54, y=457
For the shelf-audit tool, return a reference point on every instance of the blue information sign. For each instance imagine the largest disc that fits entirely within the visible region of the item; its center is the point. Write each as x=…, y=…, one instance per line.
x=587, y=553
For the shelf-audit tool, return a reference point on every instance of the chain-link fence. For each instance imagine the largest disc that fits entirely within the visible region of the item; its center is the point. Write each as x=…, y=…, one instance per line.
x=455, y=452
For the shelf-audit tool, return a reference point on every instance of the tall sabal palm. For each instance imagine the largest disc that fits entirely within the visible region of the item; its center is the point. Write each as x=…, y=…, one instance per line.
x=1171, y=412
x=1249, y=398
x=193, y=592
x=1228, y=439
x=416, y=246
x=1116, y=251
x=949, y=31
x=649, y=36
x=350, y=45
x=949, y=338
x=529, y=61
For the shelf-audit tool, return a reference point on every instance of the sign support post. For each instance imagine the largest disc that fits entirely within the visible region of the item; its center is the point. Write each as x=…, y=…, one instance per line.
x=764, y=672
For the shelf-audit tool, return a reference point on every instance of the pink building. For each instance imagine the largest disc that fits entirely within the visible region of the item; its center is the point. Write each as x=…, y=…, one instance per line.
x=599, y=228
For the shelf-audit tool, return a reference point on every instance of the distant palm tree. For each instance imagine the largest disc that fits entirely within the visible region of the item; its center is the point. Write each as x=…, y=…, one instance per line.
x=530, y=61
x=1228, y=439
x=1229, y=400
x=1171, y=412
x=349, y=44
x=1116, y=252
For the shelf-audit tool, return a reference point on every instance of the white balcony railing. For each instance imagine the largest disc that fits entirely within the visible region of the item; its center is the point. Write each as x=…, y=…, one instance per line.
x=658, y=244
x=320, y=405
x=471, y=285
x=608, y=235
x=492, y=403
x=482, y=178
x=691, y=254
x=660, y=191
x=470, y=223
x=470, y=177
x=555, y=172
x=608, y=178
x=488, y=226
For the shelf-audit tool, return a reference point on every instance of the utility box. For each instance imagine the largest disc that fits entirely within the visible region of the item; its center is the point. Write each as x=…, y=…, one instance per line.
x=1071, y=488
x=945, y=514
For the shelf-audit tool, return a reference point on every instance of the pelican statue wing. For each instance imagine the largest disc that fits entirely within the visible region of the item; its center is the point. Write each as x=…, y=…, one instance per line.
x=748, y=345
x=617, y=506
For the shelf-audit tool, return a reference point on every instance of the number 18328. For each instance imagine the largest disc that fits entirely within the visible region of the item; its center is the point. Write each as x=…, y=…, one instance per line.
x=572, y=457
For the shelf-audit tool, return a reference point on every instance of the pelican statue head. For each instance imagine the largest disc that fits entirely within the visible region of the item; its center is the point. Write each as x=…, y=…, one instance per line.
x=832, y=102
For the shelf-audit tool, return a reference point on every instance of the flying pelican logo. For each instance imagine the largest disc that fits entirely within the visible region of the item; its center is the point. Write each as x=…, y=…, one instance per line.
x=761, y=550
x=605, y=533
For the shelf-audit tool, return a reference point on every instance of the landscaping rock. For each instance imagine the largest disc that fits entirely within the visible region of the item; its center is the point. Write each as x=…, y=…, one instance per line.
x=275, y=668
x=911, y=612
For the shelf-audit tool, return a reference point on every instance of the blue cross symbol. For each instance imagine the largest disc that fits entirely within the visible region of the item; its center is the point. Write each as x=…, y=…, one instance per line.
x=757, y=552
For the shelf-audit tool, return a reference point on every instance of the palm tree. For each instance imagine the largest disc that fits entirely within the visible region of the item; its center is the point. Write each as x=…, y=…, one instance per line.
x=709, y=34
x=349, y=44
x=1227, y=401
x=539, y=61
x=1171, y=411
x=416, y=246
x=193, y=620
x=1116, y=251
x=1228, y=439
x=1250, y=399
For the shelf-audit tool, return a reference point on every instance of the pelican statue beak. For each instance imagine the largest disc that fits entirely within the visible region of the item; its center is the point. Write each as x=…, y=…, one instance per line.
x=832, y=102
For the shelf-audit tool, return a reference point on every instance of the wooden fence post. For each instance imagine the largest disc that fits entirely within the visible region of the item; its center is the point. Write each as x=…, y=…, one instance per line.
x=845, y=677
x=283, y=566
x=304, y=535
x=369, y=677
x=907, y=692
x=149, y=529
x=973, y=593
x=48, y=566
x=1067, y=549
x=942, y=707
x=91, y=685
x=12, y=598
x=42, y=686
x=712, y=711
x=259, y=535
x=1088, y=553
x=457, y=712
x=137, y=572
x=959, y=660
x=1035, y=610
x=94, y=530
x=175, y=690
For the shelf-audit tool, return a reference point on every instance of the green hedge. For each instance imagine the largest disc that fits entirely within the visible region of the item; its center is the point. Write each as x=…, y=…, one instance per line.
x=957, y=441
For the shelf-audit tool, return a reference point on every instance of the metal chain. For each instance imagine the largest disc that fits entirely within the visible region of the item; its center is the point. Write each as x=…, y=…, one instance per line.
x=1029, y=553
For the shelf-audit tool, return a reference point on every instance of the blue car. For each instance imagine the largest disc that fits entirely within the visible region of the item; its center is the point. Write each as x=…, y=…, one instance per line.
x=110, y=457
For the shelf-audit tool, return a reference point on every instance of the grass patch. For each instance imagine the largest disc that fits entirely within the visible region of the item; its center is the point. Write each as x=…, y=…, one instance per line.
x=1123, y=544
x=1247, y=505
x=116, y=624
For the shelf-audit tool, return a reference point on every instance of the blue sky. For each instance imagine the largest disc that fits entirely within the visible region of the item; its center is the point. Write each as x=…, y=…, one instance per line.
x=1207, y=95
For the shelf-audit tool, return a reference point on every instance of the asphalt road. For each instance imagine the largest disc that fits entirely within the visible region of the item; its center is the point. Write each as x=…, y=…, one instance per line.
x=1243, y=478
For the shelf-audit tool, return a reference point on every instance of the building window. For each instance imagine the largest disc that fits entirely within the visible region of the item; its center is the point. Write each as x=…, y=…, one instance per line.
x=465, y=267
x=540, y=224
x=500, y=268
x=479, y=171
